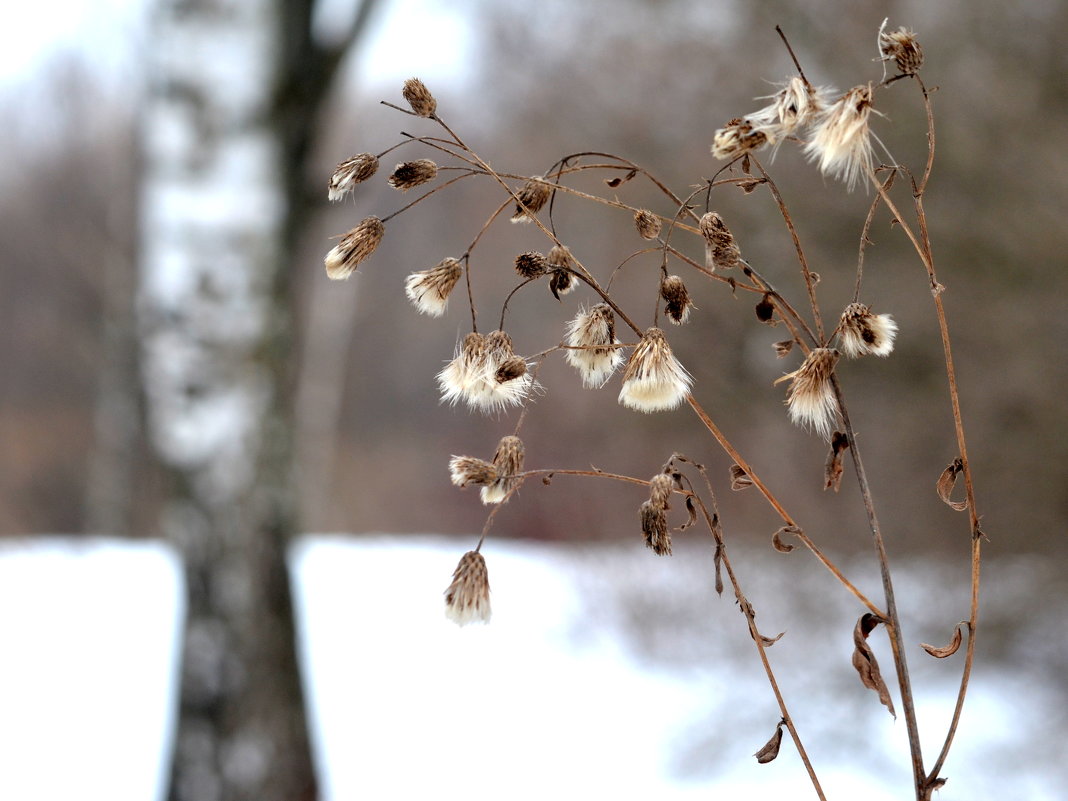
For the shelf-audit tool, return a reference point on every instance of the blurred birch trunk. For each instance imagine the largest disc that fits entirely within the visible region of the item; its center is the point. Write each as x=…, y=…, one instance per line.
x=228, y=125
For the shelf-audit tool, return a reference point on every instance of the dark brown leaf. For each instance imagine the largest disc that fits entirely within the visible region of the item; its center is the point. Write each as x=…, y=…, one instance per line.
x=771, y=747
x=947, y=481
x=832, y=474
x=776, y=539
x=946, y=650
x=865, y=663
x=718, y=559
x=614, y=182
x=740, y=480
x=547, y=479
x=691, y=509
x=783, y=348
x=767, y=642
x=765, y=310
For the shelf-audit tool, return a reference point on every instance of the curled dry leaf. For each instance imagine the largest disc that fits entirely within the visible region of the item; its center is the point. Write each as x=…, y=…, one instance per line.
x=946, y=650
x=783, y=348
x=832, y=474
x=776, y=539
x=771, y=747
x=547, y=479
x=691, y=510
x=947, y=481
x=765, y=310
x=740, y=480
x=617, y=181
x=864, y=660
x=718, y=560
x=767, y=642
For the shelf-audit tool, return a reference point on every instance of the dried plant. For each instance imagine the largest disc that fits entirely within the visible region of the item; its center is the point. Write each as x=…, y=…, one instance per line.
x=833, y=131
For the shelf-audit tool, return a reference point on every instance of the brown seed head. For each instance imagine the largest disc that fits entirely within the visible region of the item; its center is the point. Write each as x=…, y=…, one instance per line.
x=465, y=470
x=720, y=250
x=677, y=297
x=508, y=461
x=737, y=138
x=533, y=195
x=419, y=98
x=467, y=597
x=351, y=172
x=660, y=488
x=655, y=528
x=429, y=289
x=654, y=379
x=354, y=247
x=413, y=173
x=902, y=48
x=588, y=330
x=464, y=374
x=647, y=223
x=561, y=283
x=510, y=368
x=862, y=332
x=560, y=256
x=810, y=399
x=531, y=264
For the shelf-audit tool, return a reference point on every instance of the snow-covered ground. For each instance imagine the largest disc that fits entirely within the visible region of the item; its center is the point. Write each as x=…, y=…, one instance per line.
x=554, y=698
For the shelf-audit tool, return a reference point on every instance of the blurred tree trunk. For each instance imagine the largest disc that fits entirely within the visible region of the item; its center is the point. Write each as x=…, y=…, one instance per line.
x=228, y=126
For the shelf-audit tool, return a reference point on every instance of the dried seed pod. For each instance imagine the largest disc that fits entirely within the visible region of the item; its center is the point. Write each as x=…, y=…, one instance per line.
x=464, y=470
x=467, y=597
x=419, y=98
x=655, y=528
x=429, y=289
x=587, y=334
x=654, y=378
x=532, y=195
x=647, y=223
x=902, y=48
x=771, y=747
x=531, y=264
x=354, y=247
x=508, y=461
x=810, y=399
x=861, y=332
x=677, y=297
x=413, y=173
x=740, y=480
x=351, y=172
x=721, y=251
x=737, y=138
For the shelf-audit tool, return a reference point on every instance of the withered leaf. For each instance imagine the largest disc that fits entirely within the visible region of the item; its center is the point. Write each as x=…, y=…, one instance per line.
x=776, y=539
x=864, y=660
x=783, y=348
x=946, y=650
x=692, y=511
x=832, y=474
x=748, y=186
x=771, y=747
x=617, y=181
x=767, y=642
x=947, y=481
x=746, y=166
x=740, y=480
x=547, y=479
x=718, y=559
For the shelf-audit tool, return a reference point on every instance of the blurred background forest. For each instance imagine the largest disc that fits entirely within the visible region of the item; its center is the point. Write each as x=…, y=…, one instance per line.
x=523, y=84
x=526, y=85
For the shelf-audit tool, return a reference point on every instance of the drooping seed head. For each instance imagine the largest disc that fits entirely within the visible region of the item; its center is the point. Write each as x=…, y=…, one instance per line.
x=465, y=372
x=467, y=597
x=654, y=379
x=737, y=138
x=351, y=172
x=508, y=462
x=841, y=140
x=721, y=252
x=810, y=398
x=655, y=528
x=410, y=174
x=677, y=299
x=647, y=223
x=429, y=289
x=532, y=195
x=587, y=333
x=660, y=489
x=354, y=247
x=901, y=47
x=464, y=470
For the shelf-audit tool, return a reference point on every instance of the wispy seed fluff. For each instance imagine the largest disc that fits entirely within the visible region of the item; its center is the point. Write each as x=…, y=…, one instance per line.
x=862, y=332
x=464, y=470
x=429, y=289
x=901, y=47
x=508, y=463
x=721, y=252
x=810, y=399
x=647, y=223
x=354, y=247
x=794, y=106
x=413, y=173
x=737, y=138
x=840, y=139
x=419, y=98
x=486, y=374
x=590, y=330
x=654, y=379
x=533, y=194
x=467, y=597
x=351, y=172
x=677, y=297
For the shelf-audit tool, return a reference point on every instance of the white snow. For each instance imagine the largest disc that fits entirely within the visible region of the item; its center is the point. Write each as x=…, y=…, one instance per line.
x=546, y=701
